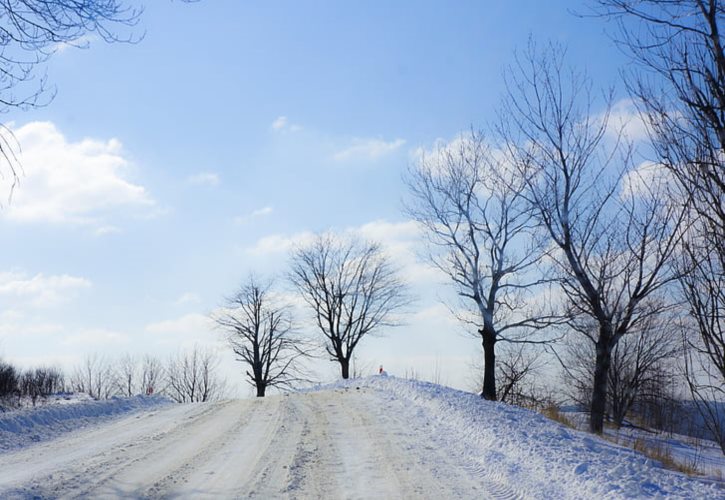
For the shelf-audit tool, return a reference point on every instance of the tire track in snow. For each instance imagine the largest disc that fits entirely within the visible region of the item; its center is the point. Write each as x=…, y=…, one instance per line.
x=222, y=467
x=26, y=469
x=102, y=474
x=342, y=444
x=493, y=485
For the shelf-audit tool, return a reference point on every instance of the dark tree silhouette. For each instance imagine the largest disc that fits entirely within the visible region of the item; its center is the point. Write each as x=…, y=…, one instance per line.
x=352, y=288
x=260, y=330
x=614, y=230
x=679, y=84
x=483, y=237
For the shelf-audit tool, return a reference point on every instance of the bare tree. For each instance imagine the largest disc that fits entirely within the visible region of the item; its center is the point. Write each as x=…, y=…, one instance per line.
x=259, y=329
x=152, y=374
x=614, y=234
x=191, y=377
x=40, y=383
x=127, y=375
x=352, y=288
x=483, y=237
x=95, y=377
x=640, y=365
x=680, y=86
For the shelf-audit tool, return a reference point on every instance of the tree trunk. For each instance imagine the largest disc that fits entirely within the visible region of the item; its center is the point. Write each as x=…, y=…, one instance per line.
x=261, y=388
x=489, y=365
x=599, y=390
x=345, y=366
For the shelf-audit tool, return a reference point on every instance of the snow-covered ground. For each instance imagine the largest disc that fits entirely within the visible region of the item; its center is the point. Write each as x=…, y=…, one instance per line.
x=63, y=413
x=380, y=437
x=703, y=456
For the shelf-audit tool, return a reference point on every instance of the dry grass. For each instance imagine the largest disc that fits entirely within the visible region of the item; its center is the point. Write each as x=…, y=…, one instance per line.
x=555, y=414
x=662, y=452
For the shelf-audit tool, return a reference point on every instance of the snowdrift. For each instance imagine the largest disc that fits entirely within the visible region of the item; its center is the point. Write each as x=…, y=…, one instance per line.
x=525, y=452
x=23, y=427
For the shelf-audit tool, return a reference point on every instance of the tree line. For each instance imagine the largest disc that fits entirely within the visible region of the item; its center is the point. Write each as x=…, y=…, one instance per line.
x=189, y=376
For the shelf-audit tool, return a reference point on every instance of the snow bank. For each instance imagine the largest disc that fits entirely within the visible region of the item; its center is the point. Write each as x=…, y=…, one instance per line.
x=525, y=452
x=23, y=427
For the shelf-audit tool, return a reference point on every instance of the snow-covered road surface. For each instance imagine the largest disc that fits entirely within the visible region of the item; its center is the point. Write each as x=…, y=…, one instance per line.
x=375, y=438
x=316, y=445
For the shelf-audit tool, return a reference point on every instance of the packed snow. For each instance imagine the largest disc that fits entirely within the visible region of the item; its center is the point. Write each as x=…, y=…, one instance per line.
x=379, y=437
x=64, y=413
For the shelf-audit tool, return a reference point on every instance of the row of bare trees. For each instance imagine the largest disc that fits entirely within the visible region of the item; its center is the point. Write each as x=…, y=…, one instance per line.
x=678, y=82
x=32, y=383
x=554, y=199
x=351, y=289
x=189, y=376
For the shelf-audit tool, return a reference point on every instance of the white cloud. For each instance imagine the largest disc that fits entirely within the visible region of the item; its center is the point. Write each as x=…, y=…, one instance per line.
x=188, y=298
x=24, y=327
x=254, y=214
x=624, y=118
x=71, y=182
x=279, y=243
x=109, y=229
x=41, y=290
x=95, y=337
x=648, y=177
x=204, y=179
x=187, y=325
x=399, y=241
x=367, y=149
x=81, y=42
x=282, y=124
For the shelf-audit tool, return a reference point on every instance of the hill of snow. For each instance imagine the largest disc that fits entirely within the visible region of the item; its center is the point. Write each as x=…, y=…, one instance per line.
x=22, y=427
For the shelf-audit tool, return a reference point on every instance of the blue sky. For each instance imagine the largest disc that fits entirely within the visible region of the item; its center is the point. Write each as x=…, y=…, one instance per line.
x=164, y=172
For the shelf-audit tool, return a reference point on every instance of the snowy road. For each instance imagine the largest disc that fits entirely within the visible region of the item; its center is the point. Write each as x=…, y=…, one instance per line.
x=380, y=437
x=329, y=444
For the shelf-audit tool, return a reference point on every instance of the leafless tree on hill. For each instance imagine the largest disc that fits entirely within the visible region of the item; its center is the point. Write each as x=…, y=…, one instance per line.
x=679, y=83
x=352, y=288
x=260, y=330
x=484, y=237
x=614, y=231
x=127, y=375
x=642, y=363
x=152, y=375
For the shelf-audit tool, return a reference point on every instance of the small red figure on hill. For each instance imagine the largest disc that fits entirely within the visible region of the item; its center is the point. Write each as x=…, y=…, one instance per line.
x=380, y=370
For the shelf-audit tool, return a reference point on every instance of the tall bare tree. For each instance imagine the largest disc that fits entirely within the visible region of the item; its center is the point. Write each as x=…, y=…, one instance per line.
x=353, y=289
x=260, y=330
x=679, y=83
x=641, y=361
x=483, y=237
x=613, y=229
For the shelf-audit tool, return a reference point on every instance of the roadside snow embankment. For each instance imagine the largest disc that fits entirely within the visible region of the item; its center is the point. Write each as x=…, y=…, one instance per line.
x=525, y=452
x=23, y=427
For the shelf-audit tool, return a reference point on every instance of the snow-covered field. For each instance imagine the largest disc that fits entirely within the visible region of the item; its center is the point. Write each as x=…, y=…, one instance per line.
x=380, y=437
